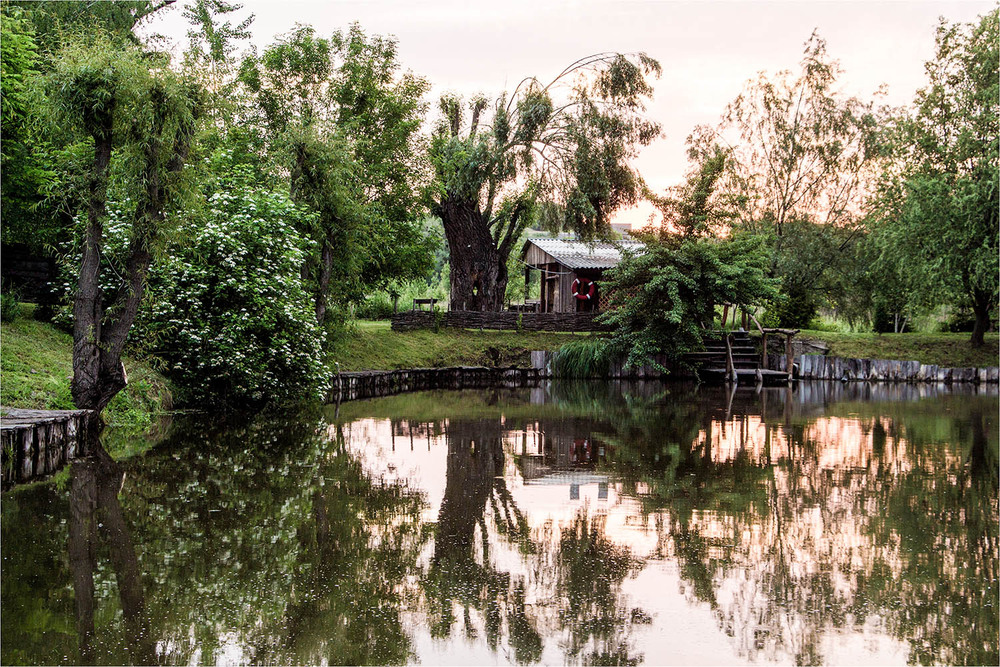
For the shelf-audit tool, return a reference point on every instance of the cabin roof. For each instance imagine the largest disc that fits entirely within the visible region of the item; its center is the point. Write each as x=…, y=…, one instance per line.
x=574, y=254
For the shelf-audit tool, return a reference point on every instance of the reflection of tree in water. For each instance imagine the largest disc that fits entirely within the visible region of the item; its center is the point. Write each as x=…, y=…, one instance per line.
x=95, y=512
x=268, y=538
x=936, y=568
x=579, y=569
x=590, y=574
x=457, y=575
x=784, y=550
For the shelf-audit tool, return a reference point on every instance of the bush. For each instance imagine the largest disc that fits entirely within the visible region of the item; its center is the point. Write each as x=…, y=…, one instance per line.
x=662, y=301
x=230, y=313
x=794, y=309
x=962, y=320
x=375, y=307
x=10, y=305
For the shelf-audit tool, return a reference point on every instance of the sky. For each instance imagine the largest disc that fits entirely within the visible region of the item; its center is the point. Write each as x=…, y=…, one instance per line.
x=708, y=49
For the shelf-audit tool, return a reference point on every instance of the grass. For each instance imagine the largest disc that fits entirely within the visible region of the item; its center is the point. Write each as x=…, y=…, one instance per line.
x=374, y=346
x=36, y=367
x=943, y=349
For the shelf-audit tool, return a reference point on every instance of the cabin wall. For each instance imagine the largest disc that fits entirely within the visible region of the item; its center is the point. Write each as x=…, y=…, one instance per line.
x=565, y=297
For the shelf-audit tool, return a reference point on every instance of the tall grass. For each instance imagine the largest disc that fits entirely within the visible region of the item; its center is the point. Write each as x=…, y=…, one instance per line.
x=589, y=358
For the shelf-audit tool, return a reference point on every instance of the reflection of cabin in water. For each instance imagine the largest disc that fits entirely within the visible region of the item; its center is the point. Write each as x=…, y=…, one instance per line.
x=570, y=271
x=560, y=454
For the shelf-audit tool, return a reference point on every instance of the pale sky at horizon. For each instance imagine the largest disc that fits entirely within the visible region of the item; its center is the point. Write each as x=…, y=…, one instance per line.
x=708, y=50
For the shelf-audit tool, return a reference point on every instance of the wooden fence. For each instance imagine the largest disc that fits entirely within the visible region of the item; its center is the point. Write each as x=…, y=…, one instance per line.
x=371, y=384
x=469, y=319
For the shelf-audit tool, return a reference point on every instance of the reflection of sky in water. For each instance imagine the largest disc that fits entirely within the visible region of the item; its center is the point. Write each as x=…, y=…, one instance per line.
x=694, y=528
x=823, y=498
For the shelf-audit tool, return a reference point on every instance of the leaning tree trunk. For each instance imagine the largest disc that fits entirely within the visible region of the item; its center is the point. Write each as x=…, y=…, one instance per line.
x=478, y=269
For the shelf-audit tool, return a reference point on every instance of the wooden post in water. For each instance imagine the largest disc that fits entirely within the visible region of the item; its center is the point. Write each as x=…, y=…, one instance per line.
x=788, y=354
x=730, y=366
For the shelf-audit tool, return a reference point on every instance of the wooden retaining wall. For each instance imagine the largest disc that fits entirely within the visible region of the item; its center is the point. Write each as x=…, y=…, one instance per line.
x=469, y=319
x=816, y=367
x=371, y=384
x=37, y=443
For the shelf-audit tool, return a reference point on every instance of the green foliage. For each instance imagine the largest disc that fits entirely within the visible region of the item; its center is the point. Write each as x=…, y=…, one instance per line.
x=568, y=152
x=24, y=169
x=229, y=312
x=344, y=119
x=438, y=319
x=549, y=153
x=805, y=151
x=798, y=162
x=583, y=359
x=694, y=208
x=210, y=39
x=794, y=308
x=10, y=304
x=662, y=300
x=942, y=212
x=57, y=21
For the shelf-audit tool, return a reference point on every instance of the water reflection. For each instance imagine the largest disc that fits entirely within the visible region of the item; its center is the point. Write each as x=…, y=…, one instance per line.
x=95, y=510
x=573, y=523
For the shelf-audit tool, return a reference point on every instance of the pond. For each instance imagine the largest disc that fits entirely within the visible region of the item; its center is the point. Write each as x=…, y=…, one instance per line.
x=567, y=524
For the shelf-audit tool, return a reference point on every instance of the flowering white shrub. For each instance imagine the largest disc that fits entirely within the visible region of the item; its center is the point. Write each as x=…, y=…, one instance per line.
x=226, y=309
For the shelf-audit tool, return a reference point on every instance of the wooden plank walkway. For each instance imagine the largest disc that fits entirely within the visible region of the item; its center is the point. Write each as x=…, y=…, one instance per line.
x=37, y=443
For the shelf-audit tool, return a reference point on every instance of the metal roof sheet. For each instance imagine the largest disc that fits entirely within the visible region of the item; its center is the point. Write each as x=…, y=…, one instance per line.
x=581, y=255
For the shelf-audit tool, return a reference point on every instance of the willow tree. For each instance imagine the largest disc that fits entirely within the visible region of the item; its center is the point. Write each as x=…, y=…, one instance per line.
x=556, y=152
x=145, y=117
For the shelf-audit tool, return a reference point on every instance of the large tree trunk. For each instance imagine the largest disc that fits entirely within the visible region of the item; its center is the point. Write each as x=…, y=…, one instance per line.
x=981, y=303
x=88, y=309
x=98, y=372
x=478, y=268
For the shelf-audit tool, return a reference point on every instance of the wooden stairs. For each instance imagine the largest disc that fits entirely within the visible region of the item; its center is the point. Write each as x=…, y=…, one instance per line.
x=713, y=367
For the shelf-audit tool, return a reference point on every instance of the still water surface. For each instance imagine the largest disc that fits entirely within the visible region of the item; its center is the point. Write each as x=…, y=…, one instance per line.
x=573, y=523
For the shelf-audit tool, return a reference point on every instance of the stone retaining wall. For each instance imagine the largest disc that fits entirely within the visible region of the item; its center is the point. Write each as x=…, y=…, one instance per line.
x=371, y=384
x=469, y=319
x=816, y=367
x=37, y=443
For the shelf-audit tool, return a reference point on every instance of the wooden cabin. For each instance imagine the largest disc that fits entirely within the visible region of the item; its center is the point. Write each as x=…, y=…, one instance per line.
x=571, y=270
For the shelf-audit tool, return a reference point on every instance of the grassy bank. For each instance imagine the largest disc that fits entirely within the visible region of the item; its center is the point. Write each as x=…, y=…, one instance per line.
x=943, y=349
x=374, y=346
x=36, y=364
